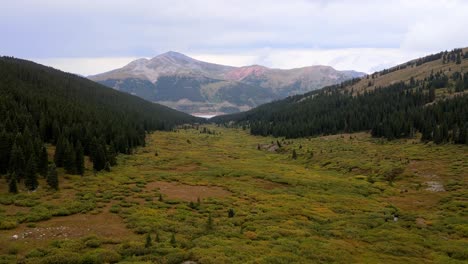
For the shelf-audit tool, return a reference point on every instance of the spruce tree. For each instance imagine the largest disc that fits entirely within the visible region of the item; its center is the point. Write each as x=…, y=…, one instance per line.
x=30, y=175
x=52, y=178
x=294, y=154
x=111, y=154
x=107, y=167
x=173, y=240
x=99, y=159
x=209, y=223
x=12, y=184
x=79, y=159
x=69, y=159
x=148, y=242
x=60, y=151
x=43, y=162
x=4, y=151
x=17, y=162
x=438, y=135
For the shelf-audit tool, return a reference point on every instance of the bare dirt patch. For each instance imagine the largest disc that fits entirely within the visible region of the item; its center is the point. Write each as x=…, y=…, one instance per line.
x=13, y=209
x=426, y=171
x=435, y=186
x=175, y=190
x=269, y=147
x=268, y=185
x=104, y=224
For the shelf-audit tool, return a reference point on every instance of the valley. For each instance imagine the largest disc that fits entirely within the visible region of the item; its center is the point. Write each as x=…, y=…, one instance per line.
x=251, y=132
x=211, y=194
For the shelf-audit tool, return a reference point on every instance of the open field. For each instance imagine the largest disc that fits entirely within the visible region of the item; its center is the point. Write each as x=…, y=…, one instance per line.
x=232, y=198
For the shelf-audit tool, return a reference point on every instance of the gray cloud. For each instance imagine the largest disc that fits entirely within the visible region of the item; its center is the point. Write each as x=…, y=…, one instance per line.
x=116, y=28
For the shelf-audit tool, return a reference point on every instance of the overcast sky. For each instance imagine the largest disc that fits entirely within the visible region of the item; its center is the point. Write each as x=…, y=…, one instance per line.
x=93, y=36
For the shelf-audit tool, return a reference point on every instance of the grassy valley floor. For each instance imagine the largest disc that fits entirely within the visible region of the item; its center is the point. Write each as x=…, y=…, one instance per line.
x=230, y=197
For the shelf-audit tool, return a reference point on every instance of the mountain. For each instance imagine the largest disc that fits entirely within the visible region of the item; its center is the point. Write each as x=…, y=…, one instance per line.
x=428, y=95
x=194, y=86
x=40, y=105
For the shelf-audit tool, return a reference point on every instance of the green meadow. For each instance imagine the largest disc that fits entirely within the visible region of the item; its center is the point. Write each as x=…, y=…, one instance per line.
x=219, y=195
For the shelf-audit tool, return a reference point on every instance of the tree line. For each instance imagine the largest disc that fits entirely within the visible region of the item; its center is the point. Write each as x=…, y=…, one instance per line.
x=41, y=106
x=396, y=111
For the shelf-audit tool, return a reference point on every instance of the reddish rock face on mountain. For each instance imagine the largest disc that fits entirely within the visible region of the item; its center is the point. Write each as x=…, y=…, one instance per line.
x=240, y=73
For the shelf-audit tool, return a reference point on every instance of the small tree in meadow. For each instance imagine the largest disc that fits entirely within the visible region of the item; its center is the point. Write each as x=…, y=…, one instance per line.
x=173, y=240
x=294, y=154
x=148, y=242
x=12, y=184
x=52, y=178
x=209, y=223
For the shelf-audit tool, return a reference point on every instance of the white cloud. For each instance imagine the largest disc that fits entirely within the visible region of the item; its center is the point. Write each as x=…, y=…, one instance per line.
x=359, y=59
x=85, y=66
x=227, y=59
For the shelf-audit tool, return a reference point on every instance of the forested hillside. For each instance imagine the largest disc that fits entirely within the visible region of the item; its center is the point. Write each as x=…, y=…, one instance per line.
x=427, y=95
x=40, y=105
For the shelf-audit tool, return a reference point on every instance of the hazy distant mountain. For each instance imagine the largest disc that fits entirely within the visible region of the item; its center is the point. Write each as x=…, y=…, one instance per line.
x=194, y=86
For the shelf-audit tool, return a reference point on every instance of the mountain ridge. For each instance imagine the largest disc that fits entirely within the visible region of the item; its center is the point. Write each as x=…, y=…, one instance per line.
x=210, y=87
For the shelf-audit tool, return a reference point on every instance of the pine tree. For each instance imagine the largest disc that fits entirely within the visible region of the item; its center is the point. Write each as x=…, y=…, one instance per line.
x=4, y=151
x=79, y=159
x=69, y=159
x=60, y=151
x=294, y=154
x=43, y=162
x=148, y=242
x=231, y=213
x=431, y=94
x=43, y=127
x=27, y=145
x=438, y=135
x=30, y=175
x=52, y=178
x=209, y=223
x=99, y=158
x=173, y=240
x=107, y=167
x=12, y=184
x=458, y=59
x=278, y=144
x=17, y=162
x=111, y=154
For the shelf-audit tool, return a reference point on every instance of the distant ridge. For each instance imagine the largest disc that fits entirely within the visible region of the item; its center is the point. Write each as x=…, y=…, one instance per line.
x=195, y=86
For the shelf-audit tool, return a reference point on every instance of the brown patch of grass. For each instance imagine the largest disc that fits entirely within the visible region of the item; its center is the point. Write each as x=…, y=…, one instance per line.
x=268, y=185
x=104, y=224
x=187, y=192
x=13, y=209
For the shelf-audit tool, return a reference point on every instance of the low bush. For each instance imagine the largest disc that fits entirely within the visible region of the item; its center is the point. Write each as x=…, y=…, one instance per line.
x=6, y=224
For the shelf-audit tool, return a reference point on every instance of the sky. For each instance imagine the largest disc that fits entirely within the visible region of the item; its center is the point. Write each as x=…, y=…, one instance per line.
x=93, y=36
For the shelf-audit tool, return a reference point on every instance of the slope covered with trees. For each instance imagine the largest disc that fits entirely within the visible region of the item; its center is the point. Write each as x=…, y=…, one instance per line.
x=40, y=105
x=428, y=95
